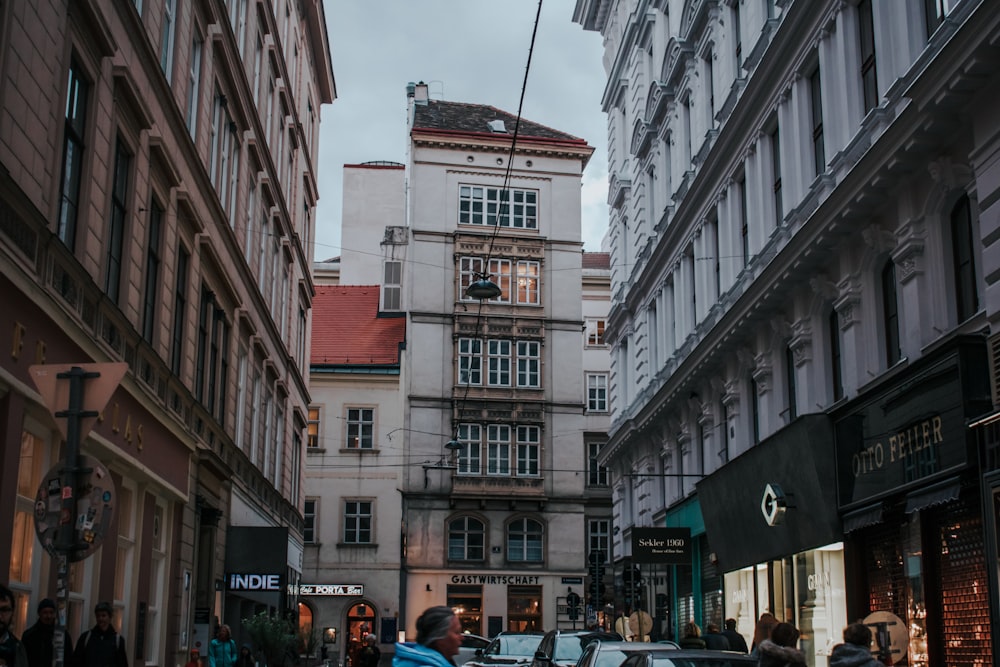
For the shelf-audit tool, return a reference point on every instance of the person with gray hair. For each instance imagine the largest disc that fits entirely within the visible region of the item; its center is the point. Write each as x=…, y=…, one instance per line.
x=370, y=654
x=439, y=634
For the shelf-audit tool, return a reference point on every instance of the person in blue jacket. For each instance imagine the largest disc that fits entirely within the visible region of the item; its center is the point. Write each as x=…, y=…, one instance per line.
x=439, y=635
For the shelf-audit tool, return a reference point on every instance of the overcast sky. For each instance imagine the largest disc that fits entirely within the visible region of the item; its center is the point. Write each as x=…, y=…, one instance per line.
x=471, y=51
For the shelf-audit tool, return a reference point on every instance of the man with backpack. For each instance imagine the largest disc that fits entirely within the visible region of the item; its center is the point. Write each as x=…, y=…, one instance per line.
x=101, y=646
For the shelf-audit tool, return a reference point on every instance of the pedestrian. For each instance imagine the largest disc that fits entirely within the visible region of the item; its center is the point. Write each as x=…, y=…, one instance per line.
x=714, y=640
x=245, y=658
x=39, y=639
x=439, y=635
x=195, y=659
x=736, y=640
x=222, y=650
x=856, y=650
x=779, y=650
x=101, y=646
x=370, y=654
x=691, y=636
x=11, y=649
x=762, y=631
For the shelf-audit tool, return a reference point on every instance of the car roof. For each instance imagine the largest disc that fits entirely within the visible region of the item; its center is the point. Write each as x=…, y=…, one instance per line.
x=633, y=646
x=672, y=653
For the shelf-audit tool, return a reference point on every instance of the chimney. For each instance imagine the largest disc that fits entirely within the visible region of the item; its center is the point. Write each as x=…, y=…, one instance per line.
x=409, y=89
x=420, y=93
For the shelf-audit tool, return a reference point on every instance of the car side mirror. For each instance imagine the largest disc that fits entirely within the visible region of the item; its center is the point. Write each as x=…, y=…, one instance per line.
x=541, y=657
x=479, y=652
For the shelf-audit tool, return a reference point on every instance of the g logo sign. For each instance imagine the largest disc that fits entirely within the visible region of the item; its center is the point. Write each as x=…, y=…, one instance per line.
x=773, y=505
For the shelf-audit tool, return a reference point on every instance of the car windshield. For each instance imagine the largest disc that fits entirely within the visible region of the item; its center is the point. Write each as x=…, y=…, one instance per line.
x=514, y=645
x=703, y=661
x=569, y=648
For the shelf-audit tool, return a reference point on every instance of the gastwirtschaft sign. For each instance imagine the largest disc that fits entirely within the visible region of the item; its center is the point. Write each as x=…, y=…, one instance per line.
x=661, y=545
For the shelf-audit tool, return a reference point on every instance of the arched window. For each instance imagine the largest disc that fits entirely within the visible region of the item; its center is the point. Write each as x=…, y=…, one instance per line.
x=964, y=265
x=890, y=314
x=524, y=541
x=466, y=539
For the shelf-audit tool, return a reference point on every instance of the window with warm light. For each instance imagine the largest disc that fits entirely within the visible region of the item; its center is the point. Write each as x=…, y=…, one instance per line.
x=518, y=280
x=527, y=282
x=595, y=333
x=312, y=429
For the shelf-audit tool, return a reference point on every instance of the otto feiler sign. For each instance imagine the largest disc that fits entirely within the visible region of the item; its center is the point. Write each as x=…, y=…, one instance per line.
x=661, y=545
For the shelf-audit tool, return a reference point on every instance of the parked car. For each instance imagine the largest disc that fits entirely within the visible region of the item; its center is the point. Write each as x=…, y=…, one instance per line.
x=470, y=644
x=562, y=648
x=612, y=654
x=508, y=648
x=667, y=657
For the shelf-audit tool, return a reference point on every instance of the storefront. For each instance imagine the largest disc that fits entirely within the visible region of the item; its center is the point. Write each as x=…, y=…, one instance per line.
x=343, y=614
x=772, y=528
x=910, y=495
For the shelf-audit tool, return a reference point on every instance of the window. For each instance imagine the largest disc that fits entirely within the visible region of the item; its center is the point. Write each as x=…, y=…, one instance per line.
x=194, y=85
x=167, y=38
x=152, y=270
x=312, y=429
x=31, y=468
x=309, y=521
x=963, y=258
x=498, y=362
x=357, y=522
x=466, y=539
x=816, y=104
x=597, y=392
x=392, y=285
x=737, y=38
x=116, y=225
x=360, y=427
x=595, y=332
x=498, y=449
x=72, y=160
x=599, y=537
x=242, y=368
x=934, y=13
x=741, y=185
x=527, y=451
x=470, y=455
x=779, y=213
x=212, y=361
x=158, y=567
x=836, y=372
x=484, y=206
x=597, y=475
x=754, y=409
x=250, y=231
x=528, y=362
x=890, y=314
x=524, y=541
x=500, y=270
x=869, y=78
x=470, y=361
x=527, y=282
x=180, y=306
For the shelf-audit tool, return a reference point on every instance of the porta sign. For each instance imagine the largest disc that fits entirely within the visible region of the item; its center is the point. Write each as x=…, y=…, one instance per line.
x=661, y=545
x=254, y=582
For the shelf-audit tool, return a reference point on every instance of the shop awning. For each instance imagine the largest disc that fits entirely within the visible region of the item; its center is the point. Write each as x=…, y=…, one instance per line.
x=862, y=518
x=938, y=494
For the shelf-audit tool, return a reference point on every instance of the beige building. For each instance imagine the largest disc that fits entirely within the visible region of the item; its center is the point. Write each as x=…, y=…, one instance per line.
x=157, y=191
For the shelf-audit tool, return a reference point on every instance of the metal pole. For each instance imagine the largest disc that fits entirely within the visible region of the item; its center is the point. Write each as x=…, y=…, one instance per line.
x=66, y=535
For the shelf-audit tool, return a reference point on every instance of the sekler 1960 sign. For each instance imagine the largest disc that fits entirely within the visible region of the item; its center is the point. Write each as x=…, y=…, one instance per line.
x=661, y=545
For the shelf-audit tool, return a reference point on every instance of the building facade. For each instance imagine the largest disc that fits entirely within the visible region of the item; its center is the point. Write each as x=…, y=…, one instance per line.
x=802, y=207
x=158, y=189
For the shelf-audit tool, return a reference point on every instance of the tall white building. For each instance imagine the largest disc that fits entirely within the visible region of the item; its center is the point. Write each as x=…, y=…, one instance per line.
x=803, y=251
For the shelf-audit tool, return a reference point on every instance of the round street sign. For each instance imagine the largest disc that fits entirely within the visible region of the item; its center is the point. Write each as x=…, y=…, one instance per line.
x=95, y=507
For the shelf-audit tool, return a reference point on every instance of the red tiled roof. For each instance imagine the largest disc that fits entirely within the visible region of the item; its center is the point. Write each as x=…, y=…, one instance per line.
x=346, y=328
x=597, y=260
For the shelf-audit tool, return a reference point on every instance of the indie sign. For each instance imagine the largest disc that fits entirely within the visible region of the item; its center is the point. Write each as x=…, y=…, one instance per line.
x=254, y=582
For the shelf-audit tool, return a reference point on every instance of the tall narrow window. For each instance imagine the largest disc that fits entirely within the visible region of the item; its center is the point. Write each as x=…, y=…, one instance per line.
x=737, y=39
x=869, y=78
x=890, y=314
x=312, y=429
x=934, y=12
x=470, y=361
x=597, y=392
x=72, y=164
x=470, y=455
x=498, y=449
x=524, y=541
x=167, y=38
x=180, y=306
x=597, y=475
x=816, y=104
x=194, y=86
x=392, y=282
x=205, y=308
x=152, y=271
x=116, y=225
x=963, y=249
x=724, y=431
x=741, y=185
x=527, y=451
x=754, y=409
x=790, y=384
x=595, y=332
x=309, y=521
x=836, y=372
x=779, y=213
x=242, y=388
x=357, y=522
x=360, y=428
x=498, y=362
x=527, y=282
x=466, y=539
x=528, y=364
x=709, y=89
